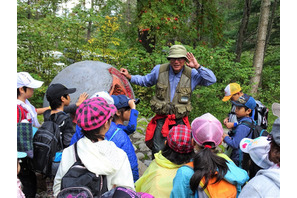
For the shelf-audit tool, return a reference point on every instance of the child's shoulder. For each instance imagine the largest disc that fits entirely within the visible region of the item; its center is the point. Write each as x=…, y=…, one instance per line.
x=245, y=121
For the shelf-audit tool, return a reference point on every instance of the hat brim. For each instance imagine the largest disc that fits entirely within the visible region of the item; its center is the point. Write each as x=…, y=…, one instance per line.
x=173, y=56
x=226, y=98
x=245, y=144
x=70, y=91
x=35, y=84
x=237, y=104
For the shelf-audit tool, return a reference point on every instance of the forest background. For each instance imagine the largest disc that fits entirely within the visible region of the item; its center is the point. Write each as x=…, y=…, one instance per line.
x=224, y=35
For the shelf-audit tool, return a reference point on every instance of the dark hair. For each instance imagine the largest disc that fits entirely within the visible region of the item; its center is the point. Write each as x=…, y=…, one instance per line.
x=55, y=102
x=18, y=90
x=121, y=111
x=246, y=108
x=208, y=165
x=175, y=157
x=93, y=135
x=274, y=153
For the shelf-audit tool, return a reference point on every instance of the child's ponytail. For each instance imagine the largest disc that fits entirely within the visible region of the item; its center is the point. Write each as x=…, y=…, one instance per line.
x=208, y=165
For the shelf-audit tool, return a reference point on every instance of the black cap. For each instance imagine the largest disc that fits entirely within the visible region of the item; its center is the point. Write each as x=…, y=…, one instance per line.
x=55, y=91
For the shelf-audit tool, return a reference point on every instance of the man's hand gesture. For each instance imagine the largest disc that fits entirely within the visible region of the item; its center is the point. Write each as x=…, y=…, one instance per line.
x=192, y=61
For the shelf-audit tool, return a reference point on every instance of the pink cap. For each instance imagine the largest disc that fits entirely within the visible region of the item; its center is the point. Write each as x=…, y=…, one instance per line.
x=93, y=113
x=207, y=128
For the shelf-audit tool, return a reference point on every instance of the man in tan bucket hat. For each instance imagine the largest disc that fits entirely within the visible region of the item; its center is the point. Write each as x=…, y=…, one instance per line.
x=174, y=82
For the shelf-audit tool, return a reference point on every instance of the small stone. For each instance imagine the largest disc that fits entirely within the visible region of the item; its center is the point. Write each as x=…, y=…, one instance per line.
x=143, y=147
x=137, y=135
x=140, y=156
x=147, y=162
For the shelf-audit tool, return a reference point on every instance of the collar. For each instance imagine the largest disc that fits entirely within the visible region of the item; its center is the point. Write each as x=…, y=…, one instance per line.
x=171, y=72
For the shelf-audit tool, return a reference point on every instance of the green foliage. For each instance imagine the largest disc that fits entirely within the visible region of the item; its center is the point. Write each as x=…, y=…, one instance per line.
x=110, y=31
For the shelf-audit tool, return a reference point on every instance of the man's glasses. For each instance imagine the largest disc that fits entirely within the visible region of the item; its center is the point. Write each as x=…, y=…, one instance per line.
x=176, y=59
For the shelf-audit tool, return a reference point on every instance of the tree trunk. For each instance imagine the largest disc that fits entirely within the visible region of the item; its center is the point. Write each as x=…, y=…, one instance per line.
x=242, y=29
x=270, y=23
x=260, y=46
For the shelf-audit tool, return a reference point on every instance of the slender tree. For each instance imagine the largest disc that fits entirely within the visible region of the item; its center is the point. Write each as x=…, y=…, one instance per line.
x=243, y=29
x=260, y=46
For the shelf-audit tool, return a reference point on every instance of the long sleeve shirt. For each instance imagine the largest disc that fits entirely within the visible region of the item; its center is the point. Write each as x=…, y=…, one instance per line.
x=242, y=131
x=201, y=76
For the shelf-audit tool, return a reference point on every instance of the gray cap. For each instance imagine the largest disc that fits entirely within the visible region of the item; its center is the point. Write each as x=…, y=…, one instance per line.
x=275, y=132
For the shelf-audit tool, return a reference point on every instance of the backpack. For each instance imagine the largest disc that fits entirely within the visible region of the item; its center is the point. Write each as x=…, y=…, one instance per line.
x=216, y=189
x=46, y=142
x=79, y=179
x=247, y=163
x=255, y=129
x=261, y=115
x=121, y=192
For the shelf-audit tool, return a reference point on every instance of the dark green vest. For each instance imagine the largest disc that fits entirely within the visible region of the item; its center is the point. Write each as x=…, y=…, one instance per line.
x=181, y=103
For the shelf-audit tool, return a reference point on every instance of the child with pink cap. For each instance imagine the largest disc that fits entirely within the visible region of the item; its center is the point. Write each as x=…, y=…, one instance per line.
x=99, y=156
x=210, y=173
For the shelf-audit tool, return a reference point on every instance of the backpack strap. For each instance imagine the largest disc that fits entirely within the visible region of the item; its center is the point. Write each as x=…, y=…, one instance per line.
x=58, y=120
x=58, y=117
x=76, y=154
x=250, y=125
x=20, y=113
x=114, y=134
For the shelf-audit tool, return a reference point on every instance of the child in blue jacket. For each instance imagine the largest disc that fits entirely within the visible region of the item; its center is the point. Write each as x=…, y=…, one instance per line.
x=126, y=111
x=244, y=107
x=116, y=131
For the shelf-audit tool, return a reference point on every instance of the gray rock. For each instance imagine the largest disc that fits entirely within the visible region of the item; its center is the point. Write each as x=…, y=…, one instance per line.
x=147, y=162
x=138, y=142
x=87, y=76
x=142, y=120
x=137, y=135
x=140, y=156
x=143, y=147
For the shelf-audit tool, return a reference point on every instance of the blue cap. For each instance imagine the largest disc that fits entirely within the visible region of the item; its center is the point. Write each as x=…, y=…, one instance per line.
x=121, y=101
x=246, y=101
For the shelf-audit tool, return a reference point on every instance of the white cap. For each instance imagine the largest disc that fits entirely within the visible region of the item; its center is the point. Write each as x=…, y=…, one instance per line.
x=25, y=79
x=258, y=149
x=105, y=95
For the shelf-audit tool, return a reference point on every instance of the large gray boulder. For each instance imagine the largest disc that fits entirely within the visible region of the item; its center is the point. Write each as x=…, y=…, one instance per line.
x=92, y=77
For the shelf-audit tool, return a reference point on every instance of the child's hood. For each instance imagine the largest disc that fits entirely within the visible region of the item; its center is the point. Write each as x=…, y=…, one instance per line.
x=272, y=174
x=102, y=157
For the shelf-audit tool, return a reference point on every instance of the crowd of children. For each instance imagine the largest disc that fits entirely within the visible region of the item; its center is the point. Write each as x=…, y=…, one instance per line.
x=189, y=165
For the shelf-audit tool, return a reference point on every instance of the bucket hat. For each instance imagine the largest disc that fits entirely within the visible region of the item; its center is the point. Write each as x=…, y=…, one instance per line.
x=177, y=51
x=207, y=128
x=93, y=113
